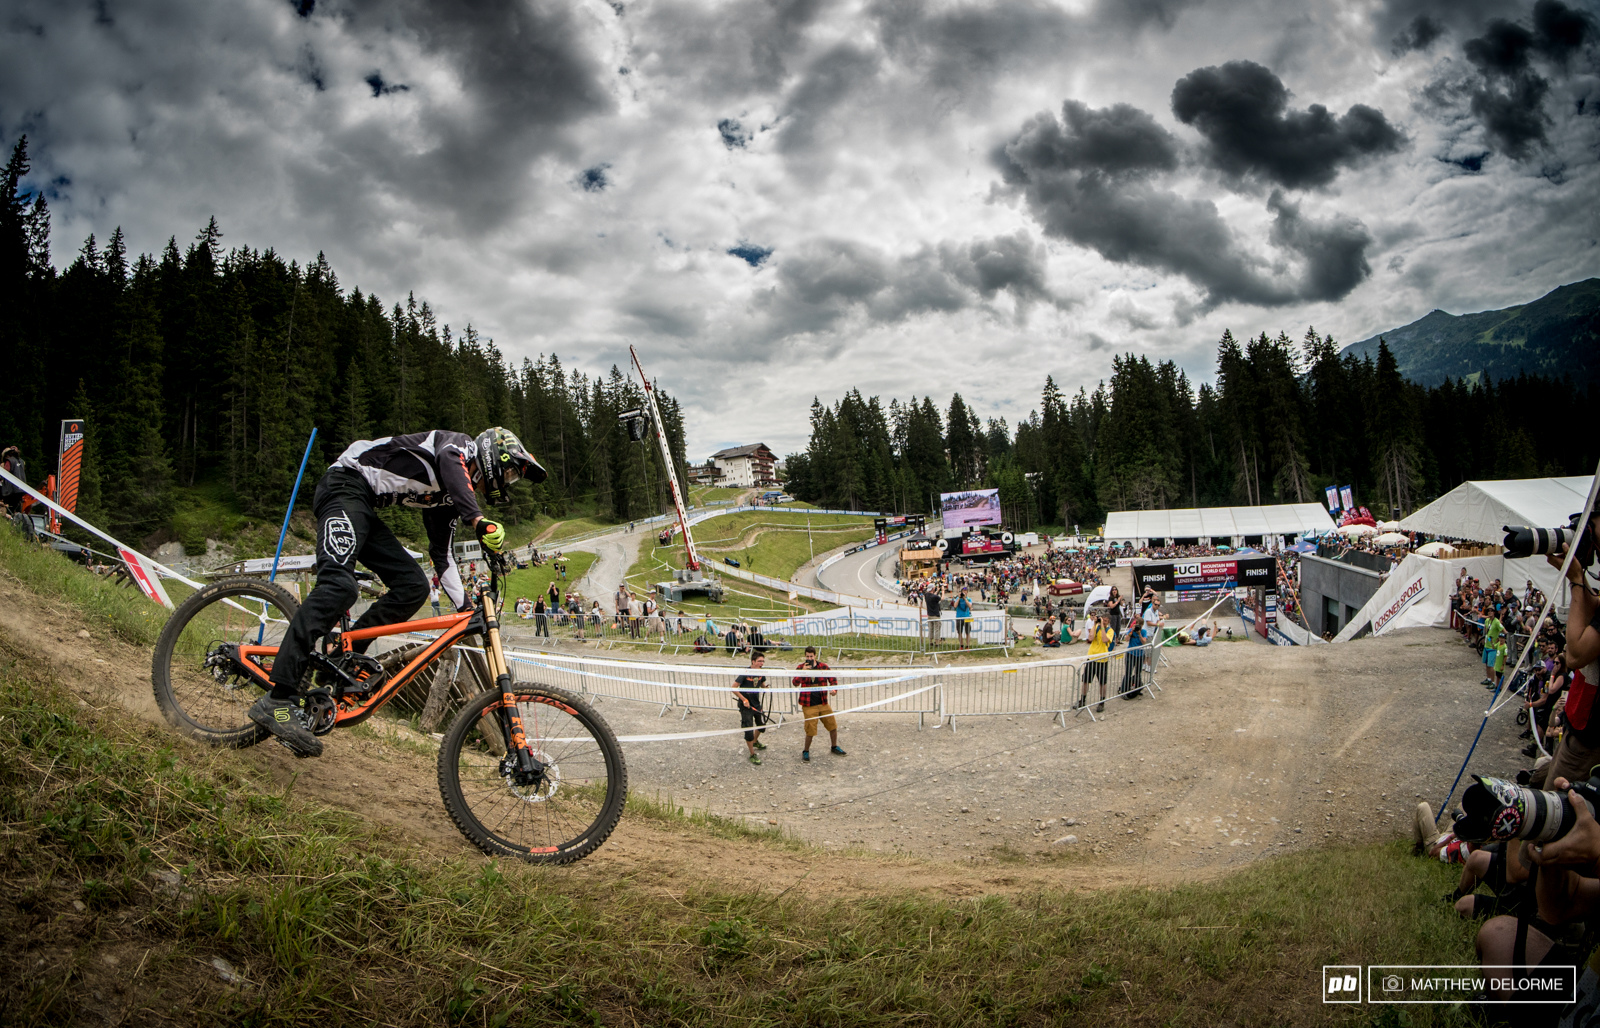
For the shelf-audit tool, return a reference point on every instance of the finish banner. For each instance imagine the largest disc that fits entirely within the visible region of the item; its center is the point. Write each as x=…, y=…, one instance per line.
x=70, y=463
x=1206, y=574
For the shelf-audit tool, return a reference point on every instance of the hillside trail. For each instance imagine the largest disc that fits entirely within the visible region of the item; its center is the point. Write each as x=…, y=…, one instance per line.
x=383, y=780
x=1249, y=750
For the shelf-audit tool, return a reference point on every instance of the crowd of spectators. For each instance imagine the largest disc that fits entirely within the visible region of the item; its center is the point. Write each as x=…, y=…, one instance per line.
x=1026, y=576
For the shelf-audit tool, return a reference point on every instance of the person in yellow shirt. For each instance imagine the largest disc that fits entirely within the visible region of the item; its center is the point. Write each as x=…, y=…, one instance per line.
x=1094, y=670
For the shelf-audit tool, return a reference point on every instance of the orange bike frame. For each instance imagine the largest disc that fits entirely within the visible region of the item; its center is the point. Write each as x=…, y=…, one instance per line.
x=452, y=628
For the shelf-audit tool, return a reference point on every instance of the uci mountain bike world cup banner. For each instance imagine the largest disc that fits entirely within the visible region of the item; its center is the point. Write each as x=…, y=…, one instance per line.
x=1206, y=574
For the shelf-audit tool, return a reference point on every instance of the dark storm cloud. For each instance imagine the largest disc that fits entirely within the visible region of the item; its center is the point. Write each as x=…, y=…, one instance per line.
x=594, y=180
x=1510, y=82
x=1242, y=109
x=1014, y=263
x=1334, y=251
x=1404, y=25
x=1090, y=178
x=1419, y=35
x=526, y=73
x=827, y=279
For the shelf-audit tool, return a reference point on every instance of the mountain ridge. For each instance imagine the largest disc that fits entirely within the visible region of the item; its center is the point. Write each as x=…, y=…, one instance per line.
x=1557, y=334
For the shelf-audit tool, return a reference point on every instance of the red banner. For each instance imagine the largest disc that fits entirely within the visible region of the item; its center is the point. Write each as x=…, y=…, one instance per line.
x=71, y=463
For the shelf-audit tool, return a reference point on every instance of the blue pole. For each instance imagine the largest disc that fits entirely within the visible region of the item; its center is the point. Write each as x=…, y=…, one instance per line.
x=1468, y=759
x=284, y=531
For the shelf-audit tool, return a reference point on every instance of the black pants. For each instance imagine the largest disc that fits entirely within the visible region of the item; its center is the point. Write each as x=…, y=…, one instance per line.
x=348, y=530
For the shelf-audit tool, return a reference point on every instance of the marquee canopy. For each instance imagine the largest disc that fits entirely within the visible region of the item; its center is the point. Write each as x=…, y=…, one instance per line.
x=1478, y=510
x=1218, y=523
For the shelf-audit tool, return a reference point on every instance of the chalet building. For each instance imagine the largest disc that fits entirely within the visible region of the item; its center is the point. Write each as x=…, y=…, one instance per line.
x=747, y=466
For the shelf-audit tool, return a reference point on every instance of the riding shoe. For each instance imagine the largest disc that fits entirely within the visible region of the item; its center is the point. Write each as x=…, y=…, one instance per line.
x=288, y=723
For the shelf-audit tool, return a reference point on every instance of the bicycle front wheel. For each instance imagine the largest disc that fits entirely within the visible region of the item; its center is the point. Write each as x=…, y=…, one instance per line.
x=200, y=690
x=561, y=818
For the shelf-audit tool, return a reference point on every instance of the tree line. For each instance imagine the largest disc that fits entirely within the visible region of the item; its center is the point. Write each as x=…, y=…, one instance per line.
x=1282, y=421
x=208, y=364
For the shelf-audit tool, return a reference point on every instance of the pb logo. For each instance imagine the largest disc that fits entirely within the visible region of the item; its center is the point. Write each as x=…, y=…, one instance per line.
x=1341, y=984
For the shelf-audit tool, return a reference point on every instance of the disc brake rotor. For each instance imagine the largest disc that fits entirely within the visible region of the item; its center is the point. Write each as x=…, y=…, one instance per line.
x=539, y=792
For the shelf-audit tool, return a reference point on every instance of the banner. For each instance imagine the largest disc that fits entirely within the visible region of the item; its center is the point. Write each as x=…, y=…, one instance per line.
x=1206, y=574
x=1333, y=499
x=144, y=576
x=1347, y=494
x=70, y=463
x=971, y=507
x=1414, y=590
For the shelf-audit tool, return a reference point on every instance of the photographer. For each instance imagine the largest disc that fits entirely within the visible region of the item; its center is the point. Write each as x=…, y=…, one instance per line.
x=1580, y=744
x=1565, y=898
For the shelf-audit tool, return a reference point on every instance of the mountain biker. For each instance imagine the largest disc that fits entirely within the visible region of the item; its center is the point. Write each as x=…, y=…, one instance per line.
x=435, y=471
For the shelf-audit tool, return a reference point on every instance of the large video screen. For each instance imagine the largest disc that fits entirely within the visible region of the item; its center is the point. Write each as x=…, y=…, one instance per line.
x=973, y=507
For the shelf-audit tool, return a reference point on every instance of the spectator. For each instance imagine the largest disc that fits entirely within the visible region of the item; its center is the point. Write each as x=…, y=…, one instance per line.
x=433, y=595
x=11, y=461
x=1133, y=662
x=747, y=692
x=935, y=612
x=814, y=703
x=1101, y=640
x=964, y=620
x=1048, y=635
x=541, y=619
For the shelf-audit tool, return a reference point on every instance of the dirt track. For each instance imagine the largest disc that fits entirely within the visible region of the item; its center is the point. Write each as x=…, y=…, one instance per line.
x=1246, y=745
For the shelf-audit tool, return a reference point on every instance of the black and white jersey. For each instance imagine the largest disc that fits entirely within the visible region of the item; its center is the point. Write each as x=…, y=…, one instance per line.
x=430, y=470
x=424, y=469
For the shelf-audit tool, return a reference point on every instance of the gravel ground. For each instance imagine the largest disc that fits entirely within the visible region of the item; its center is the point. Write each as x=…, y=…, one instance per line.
x=1247, y=750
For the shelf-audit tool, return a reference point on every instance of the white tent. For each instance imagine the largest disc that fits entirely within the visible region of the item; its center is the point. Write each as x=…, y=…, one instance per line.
x=1478, y=510
x=1416, y=594
x=1222, y=525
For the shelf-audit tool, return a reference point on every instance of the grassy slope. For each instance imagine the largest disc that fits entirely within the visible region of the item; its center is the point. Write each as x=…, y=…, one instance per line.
x=535, y=582
x=331, y=923
x=778, y=551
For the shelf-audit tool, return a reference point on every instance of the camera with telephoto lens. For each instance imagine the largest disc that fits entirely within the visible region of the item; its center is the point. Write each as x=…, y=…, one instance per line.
x=1494, y=810
x=1525, y=541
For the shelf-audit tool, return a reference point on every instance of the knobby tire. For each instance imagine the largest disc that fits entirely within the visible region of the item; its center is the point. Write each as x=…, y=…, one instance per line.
x=191, y=697
x=540, y=825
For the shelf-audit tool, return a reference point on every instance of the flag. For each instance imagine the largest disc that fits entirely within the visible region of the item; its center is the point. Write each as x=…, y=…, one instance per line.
x=144, y=576
x=70, y=463
x=1333, y=498
x=1347, y=494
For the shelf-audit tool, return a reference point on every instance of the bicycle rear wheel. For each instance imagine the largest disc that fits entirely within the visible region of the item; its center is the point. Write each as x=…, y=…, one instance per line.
x=201, y=691
x=564, y=817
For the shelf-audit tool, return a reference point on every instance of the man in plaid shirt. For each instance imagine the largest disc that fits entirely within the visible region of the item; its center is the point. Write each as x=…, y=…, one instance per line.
x=814, y=702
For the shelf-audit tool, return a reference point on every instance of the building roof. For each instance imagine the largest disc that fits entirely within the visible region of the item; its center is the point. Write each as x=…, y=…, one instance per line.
x=740, y=451
x=1218, y=522
x=1477, y=510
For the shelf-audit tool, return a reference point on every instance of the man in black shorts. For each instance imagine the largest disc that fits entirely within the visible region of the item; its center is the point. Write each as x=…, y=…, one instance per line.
x=747, y=692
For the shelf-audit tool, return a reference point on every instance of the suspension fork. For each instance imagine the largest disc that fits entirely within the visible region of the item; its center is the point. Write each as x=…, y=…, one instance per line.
x=510, y=720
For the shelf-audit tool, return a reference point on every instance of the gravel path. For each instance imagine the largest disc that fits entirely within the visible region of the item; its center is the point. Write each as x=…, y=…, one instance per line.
x=1248, y=751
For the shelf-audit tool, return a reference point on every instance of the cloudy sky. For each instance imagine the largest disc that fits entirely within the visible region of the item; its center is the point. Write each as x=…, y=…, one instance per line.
x=775, y=199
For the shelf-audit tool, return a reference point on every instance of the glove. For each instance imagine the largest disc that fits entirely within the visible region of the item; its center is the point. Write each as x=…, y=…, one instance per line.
x=491, y=534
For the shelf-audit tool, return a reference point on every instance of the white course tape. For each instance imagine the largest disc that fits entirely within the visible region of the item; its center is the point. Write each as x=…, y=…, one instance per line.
x=679, y=736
